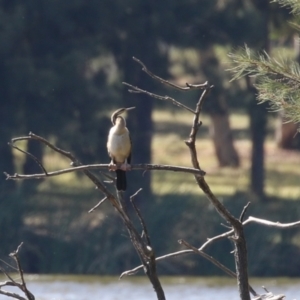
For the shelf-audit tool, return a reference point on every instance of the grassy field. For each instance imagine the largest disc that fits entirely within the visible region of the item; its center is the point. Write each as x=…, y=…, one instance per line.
x=171, y=129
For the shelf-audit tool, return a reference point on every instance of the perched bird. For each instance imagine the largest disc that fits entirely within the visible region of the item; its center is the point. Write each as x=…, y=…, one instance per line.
x=119, y=147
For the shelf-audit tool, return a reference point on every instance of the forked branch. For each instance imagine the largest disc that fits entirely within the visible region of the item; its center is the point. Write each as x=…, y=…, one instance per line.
x=217, y=238
x=143, y=250
x=77, y=166
x=188, y=87
x=169, y=83
x=135, y=89
x=238, y=233
x=13, y=283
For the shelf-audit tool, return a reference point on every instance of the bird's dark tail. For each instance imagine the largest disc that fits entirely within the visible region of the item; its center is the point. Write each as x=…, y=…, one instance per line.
x=121, y=180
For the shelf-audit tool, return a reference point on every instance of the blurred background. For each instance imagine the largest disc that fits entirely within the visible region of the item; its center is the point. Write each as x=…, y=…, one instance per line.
x=61, y=72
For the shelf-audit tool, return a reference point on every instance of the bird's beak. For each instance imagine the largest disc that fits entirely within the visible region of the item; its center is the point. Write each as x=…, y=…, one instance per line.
x=130, y=108
x=119, y=112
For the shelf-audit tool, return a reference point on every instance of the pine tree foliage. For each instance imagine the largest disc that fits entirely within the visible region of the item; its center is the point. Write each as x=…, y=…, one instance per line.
x=277, y=79
x=293, y=4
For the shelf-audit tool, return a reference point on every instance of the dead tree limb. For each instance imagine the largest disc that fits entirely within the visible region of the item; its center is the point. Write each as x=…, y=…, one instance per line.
x=146, y=167
x=215, y=262
x=238, y=232
x=169, y=83
x=143, y=224
x=217, y=238
x=13, y=283
x=135, y=89
x=144, y=251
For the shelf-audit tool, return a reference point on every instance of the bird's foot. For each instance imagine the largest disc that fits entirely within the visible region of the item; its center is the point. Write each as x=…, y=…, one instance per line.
x=125, y=167
x=112, y=167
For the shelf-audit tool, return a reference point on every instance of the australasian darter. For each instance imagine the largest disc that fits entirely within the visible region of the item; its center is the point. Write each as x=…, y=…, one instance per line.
x=119, y=148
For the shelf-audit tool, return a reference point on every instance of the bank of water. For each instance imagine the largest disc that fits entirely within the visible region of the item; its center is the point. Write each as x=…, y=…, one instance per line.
x=46, y=287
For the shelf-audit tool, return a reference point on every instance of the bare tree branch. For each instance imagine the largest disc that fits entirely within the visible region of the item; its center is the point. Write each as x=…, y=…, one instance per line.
x=30, y=155
x=244, y=212
x=145, y=231
x=22, y=286
x=191, y=142
x=135, y=89
x=166, y=82
x=270, y=223
x=12, y=295
x=216, y=238
x=33, y=136
x=239, y=239
x=97, y=205
x=215, y=262
x=146, y=167
x=269, y=296
x=144, y=251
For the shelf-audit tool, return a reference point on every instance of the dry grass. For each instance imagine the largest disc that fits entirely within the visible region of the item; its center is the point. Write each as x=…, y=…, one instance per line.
x=282, y=166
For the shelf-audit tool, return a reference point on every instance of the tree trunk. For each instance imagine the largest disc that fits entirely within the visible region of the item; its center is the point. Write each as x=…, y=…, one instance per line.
x=223, y=141
x=217, y=109
x=286, y=134
x=142, y=128
x=258, y=121
x=258, y=116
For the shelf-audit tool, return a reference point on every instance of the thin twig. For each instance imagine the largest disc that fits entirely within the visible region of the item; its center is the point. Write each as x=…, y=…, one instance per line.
x=216, y=238
x=8, y=265
x=166, y=82
x=191, y=142
x=121, y=199
x=30, y=155
x=47, y=143
x=198, y=86
x=12, y=295
x=97, y=205
x=244, y=211
x=163, y=257
x=135, y=89
x=270, y=223
x=6, y=274
x=138, y=212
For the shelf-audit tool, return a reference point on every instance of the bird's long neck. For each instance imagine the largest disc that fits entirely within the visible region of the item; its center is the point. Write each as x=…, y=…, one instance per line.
x=120, y=125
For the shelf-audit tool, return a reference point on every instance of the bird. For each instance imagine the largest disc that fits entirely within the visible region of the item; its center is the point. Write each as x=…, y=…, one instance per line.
x=119, y=148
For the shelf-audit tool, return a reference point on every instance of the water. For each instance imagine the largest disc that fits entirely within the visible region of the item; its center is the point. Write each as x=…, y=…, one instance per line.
x=137, y=288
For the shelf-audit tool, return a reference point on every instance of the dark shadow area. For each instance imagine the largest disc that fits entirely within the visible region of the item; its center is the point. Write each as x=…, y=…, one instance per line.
x=64, y=238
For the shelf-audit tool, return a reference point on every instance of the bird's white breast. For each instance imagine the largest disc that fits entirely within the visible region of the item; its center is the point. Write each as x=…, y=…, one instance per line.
x=118, y=145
